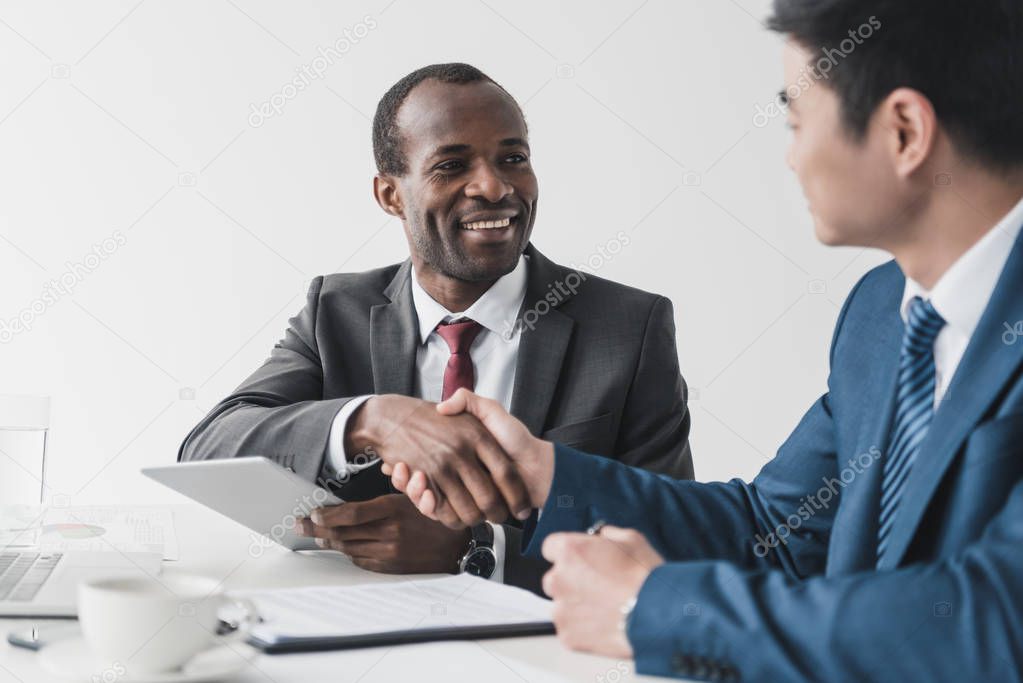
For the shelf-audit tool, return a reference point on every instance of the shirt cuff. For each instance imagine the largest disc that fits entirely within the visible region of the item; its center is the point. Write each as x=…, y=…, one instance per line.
x=498, y=574
x=346, y=464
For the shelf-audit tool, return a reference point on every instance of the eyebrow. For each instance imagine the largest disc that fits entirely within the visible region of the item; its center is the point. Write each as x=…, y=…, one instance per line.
x=459, y=148
x=450, y=149
x=514, y=142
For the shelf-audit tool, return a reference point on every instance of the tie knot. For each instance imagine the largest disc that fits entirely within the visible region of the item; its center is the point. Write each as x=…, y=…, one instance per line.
x=923, y=323
x=459, y=334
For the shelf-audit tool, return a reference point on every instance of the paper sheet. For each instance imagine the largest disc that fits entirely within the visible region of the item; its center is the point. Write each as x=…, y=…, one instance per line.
x=322, y=611
x=105, y=528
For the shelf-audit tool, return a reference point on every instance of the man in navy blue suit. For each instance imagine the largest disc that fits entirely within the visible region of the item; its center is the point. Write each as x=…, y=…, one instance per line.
x=885, y=539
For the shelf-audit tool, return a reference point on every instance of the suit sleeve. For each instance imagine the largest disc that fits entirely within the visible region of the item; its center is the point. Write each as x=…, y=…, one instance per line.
x=955, y=619
x=279, y=411
x=749, y=524
x=654, y=432
x=755, y=525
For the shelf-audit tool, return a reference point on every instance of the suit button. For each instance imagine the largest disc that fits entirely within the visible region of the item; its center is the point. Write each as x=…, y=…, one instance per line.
x=682, y=664
x=701, y=670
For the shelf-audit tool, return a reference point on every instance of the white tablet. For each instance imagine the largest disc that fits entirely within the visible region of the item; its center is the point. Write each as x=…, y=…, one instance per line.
x=253, y=491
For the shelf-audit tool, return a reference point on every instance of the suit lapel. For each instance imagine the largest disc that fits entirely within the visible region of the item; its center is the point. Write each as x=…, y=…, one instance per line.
x=393, y=337
x=855, y=547
x=987, y=365
x=546, y=332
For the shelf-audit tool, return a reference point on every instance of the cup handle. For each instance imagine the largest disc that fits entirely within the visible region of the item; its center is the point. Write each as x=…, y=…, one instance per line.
x=249, y=619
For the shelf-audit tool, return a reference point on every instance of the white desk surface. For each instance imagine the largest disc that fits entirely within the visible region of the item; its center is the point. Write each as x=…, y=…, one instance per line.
x=218, y=547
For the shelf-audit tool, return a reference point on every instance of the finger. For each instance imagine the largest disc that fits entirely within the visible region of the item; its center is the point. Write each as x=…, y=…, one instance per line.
x=460, y=502
x=556, y=546
x=427, y=504
x=505, y=477
x=316, y=531
x=385, y=468
x=450, y=485
x=619, y=534
x=361, y=549
x=373, y=531
x=433, y=506
x=633, y=545
x=374, y=565
x=480, y=484
x=327, y=533
x=417, y=485
x=400, y=477
x=549, y=583
x=443, y=513
x=561, y=586
x=349, y=514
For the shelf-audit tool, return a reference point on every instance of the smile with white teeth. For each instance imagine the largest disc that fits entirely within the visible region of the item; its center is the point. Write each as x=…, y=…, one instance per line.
x=487, y=225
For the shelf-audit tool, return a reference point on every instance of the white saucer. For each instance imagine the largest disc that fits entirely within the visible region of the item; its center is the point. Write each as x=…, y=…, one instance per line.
x=71, y=658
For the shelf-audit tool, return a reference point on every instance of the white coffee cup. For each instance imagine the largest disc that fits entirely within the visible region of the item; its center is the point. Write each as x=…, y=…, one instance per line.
x=155, y=625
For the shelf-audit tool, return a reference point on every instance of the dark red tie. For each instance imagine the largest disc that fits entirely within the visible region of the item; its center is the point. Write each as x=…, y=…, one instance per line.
x=458, y=373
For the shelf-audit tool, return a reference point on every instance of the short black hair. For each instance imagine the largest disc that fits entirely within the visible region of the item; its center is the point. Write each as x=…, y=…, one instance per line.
x=387, y=140
x=965, y=57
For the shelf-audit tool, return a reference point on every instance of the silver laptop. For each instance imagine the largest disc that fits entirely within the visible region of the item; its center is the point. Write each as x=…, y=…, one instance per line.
x=34, y=583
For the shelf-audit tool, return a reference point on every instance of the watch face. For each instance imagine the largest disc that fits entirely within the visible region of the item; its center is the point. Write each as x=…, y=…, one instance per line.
x=481, y=562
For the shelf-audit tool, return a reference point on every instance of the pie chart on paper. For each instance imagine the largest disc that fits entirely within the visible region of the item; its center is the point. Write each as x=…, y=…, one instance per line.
x=72, y=531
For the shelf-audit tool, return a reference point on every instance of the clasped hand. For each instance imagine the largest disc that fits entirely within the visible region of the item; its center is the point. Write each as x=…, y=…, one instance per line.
x=472, y=475
x=527, y=465
x=474, y=455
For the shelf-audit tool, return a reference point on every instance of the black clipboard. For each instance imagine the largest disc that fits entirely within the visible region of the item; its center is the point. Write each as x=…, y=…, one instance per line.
x=405, y=637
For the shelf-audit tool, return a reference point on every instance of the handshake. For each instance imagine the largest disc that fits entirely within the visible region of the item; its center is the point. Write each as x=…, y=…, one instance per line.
x=461, y=461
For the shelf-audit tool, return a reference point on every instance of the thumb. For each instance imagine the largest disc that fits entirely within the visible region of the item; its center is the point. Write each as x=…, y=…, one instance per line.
x=459, y=402
x=487, y=411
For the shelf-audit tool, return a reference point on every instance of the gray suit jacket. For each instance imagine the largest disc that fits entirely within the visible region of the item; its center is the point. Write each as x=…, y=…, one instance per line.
x=597, y=370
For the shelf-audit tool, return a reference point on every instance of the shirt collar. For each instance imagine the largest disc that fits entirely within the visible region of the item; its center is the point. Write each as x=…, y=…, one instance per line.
x=963, y=292
x=498, y=305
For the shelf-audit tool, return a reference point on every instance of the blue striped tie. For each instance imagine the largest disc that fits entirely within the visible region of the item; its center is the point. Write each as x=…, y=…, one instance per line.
x=914, y=408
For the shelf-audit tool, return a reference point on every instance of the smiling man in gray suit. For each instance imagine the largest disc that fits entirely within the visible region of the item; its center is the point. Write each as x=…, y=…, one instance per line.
x=580, y=360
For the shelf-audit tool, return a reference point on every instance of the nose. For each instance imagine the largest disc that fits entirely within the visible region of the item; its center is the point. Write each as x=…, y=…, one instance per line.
x=487, y=183
x=790, y=157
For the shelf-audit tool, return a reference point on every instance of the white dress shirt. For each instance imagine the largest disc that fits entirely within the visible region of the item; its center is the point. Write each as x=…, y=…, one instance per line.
x=962, y=293
x=494, y=354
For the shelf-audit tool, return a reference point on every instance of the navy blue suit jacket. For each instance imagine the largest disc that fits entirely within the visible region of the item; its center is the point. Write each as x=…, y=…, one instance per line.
x=775, y=579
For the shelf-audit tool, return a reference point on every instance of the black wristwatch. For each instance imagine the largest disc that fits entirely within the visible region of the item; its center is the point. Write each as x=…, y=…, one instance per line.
x=480, y=560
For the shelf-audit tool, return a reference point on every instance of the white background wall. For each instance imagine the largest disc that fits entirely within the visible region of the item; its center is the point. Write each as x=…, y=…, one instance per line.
x=133, y=119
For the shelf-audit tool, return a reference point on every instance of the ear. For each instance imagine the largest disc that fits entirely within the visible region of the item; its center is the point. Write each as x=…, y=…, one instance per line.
x=912, y=129
x=388, y=196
